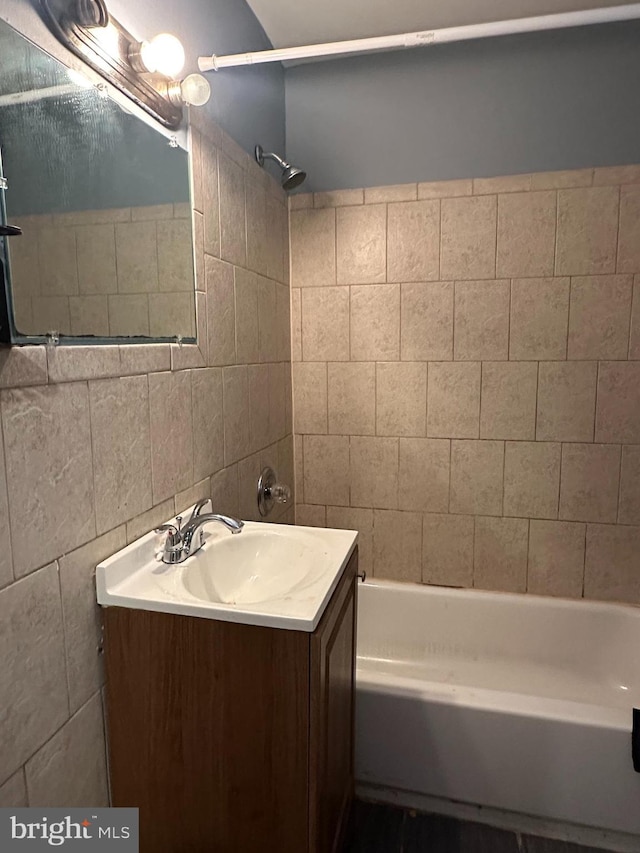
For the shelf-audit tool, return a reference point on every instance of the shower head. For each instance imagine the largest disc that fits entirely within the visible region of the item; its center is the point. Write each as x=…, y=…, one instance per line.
x=291, y=178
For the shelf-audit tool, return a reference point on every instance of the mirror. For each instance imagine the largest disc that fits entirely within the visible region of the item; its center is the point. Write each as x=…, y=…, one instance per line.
x=103, y=201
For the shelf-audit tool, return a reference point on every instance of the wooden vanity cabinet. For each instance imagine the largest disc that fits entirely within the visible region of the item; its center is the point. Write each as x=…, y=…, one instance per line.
x=233, y=738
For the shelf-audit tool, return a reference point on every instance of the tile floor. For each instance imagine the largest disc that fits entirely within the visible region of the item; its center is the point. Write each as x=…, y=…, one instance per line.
x=383, y=829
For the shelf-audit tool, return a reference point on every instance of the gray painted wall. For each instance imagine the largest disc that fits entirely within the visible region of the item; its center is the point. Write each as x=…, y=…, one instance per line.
x=538, y=102
x=248, y=103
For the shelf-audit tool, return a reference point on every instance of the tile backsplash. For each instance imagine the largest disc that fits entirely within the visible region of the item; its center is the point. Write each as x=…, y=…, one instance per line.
x=467, y=372
x=101, y=444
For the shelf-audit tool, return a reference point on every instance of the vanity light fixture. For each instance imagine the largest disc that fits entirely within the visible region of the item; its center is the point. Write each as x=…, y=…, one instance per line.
x=147, y=72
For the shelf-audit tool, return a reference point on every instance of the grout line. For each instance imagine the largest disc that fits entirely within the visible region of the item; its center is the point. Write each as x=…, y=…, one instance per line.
x=617, y=257
x=63, y=621
x=557, y=235
x=92, y=449
x=5, y=485
x=621, y=451
x=562, y=447
x=495, y=242
x=566, y=347
x=482, y=363
x=559, y=481
x=335, y=243
x=535, y=425
x=584, y=559
x=386, y=243
x=473, y=553
x=526, y=568
x=595, y=402
x=635, y=306
x=504, y=469
x=631, y=301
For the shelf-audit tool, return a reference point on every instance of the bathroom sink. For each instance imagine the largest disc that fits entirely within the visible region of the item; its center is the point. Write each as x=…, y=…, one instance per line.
x=254, y=566
x=276, y=575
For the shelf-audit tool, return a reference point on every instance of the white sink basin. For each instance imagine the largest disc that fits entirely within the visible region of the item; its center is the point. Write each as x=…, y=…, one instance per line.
x=275, y=575
x=254, y=566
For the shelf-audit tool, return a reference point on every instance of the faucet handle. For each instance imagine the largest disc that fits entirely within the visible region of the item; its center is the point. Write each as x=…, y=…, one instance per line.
x=270, y=491
x=198, y=509
x=173, y=533
x=281, y=493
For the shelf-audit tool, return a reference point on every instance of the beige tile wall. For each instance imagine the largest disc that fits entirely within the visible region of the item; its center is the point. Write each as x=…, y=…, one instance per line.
x=467, y=378
x=98, y=445
x=120, y=272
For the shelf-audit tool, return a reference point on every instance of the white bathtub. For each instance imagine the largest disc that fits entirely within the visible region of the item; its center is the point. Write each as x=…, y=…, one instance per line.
x=517, y=703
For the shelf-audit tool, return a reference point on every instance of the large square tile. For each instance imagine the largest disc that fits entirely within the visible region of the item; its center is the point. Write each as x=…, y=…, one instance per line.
x=325, y=323
x=313, y=248
x=508, y=400
x=566, y=400
x=531, y=479
x=374, y=472
x=468, y=247
x=526, y=234
x=556, y=558
x=612, y=565
x=361, y=247
x=599, y=317
x=413, y=241
x=171, y=433
x=121, y=449
x=424, y=474
x=476, y=477
x=539, y=318
x=397, y=545
x=447, y=550
x=589, y=482
x=618, y=402
x=426, y=317
x=33, y=678
x=310, y=397
x=500, y=554
x=326, y=469
x=352, y=398
x=453, y=400
x=49, y=469
x=375, y=322
x=587, y=231
x=71, y=769
x=401, y=398
x=82, y=622
x=481, y=320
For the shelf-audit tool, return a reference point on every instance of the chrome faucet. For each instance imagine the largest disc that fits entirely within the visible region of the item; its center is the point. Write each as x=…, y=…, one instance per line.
x=182, y=542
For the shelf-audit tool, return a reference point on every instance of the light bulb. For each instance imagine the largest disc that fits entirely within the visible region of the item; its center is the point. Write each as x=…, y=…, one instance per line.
x=164, y=54
x=195, y=90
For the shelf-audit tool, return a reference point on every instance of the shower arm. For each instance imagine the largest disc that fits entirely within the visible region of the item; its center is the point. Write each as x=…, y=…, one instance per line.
x=426, y=37
x=261, y=156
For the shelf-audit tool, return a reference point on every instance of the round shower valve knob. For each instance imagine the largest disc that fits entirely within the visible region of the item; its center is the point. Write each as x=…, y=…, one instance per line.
x=270, y=491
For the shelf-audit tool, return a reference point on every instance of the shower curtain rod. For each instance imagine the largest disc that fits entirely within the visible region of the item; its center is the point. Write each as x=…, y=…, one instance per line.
x=32, y=95
x=427, y=37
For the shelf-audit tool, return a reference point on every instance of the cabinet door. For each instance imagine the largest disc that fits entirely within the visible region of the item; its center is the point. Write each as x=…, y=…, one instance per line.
x=331, y=717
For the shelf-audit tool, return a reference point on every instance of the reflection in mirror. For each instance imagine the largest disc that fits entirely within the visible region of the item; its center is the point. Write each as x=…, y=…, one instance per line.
x=103, y=201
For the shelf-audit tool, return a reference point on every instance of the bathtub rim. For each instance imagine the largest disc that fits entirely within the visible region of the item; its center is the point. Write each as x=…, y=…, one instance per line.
x=555, y=602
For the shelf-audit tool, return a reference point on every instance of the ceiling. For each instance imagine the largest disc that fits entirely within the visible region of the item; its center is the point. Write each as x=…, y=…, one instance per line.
x=290, y=23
